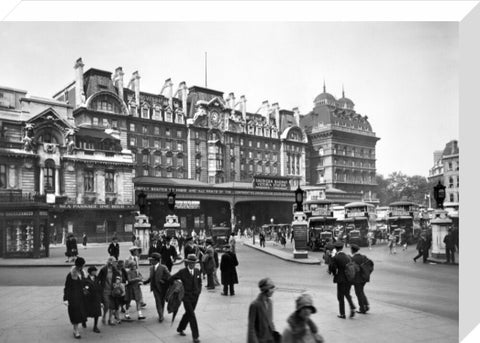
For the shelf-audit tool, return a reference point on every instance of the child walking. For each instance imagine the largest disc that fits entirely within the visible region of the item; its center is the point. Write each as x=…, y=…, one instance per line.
x=134, y=291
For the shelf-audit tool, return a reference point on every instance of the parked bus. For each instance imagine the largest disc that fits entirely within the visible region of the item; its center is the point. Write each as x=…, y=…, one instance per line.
x=360, y=218
x=320, y=231
x=404, y=215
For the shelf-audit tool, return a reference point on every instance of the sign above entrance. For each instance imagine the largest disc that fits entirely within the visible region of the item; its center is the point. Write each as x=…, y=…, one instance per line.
x=187, y=204
x=262, y=182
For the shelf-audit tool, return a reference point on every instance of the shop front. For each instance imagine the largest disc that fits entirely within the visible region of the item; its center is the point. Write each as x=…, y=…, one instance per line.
x=24, y=231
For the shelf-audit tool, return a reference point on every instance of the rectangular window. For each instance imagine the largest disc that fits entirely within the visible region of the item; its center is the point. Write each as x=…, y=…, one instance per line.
x=266, y=145
x=145, y=158
x=259, y=168
x=157, y=130
x=250, y=143
x=95, y=121
x=145, y=142
x=198, y=163
x=232, y=165
x=145, y=113
x=88, y=179
x=242, y=141
x=158, y=172
x=132, y=127
x=145, y=171
x=167, y=132
x=157, y=159
x=169, y=161
x=156, y=143
x=179, y=146
x=197, y=148
x=168, y=116
x=3, y=176
x=180, y=175
x=109, y=182
x=145, y=129
x=179, y=134
x=168, y=145
x=274, y=146
x=275, y=170
x=105, y=122
x=242, y=167
x=232, y=153
x=250, y=167
x=169, y=174
x=258, y=144
x=134, y=158
x=157, y=115
x=114, y=124
x=267, y=169
x=180, y=162
x=197, y=176
x=259, y=155
x=133, y=141
x=250, y=154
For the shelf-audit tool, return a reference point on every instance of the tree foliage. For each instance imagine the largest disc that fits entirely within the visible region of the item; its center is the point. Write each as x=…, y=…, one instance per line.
x=399, y=186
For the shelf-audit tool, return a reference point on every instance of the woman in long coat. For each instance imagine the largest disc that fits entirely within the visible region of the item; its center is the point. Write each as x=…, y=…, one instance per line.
x=73, y=295
x=93, y=297
x=72, y=249
x=228, y=270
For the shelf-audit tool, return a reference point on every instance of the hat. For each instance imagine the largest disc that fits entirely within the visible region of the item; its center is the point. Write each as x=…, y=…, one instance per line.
x=305, y=300
x=79, y=262
x=156, y=256
x=134, y=248
x=91, y=269
x=111, y=259
x=338, y=245
x=354, y=247
x=191, y=258
x=265, y=284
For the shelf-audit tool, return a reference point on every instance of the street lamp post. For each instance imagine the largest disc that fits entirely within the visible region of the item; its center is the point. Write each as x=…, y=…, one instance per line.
x=440, y=222
x=253, y=228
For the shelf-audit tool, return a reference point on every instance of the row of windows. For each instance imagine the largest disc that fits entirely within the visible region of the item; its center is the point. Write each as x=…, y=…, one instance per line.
x=451, y=184
x=262, y=131
x=351, y=125
x=260, y=155
x=157, y=113
x=156, y=130
x=351, y=178
x=107, y=123
x=89, y=181
x=147, y=143
x=164, y=173
x=259, y=144
x=360, y=164
x=260, y=169
x=349, y=151
x=157, y=159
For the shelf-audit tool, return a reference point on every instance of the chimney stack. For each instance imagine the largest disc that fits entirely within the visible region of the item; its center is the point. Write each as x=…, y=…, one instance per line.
x=118, y=81
x=79, y=92
x=276, y=110
x=184, y=90
x=266, y=108
x=296, y=115
x=243, y=102
x=136, y=87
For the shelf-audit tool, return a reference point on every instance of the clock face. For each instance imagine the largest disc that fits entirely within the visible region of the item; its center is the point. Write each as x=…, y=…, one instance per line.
x=215, y=118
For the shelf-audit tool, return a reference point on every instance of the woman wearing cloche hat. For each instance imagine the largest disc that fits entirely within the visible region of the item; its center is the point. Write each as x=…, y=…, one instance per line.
x=300, y=327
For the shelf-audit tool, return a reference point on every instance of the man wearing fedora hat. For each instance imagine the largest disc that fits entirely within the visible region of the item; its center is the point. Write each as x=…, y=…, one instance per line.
x=300, y=327
x=337, y=268
x=159, y=276
x=192, y=285
x=261, y=328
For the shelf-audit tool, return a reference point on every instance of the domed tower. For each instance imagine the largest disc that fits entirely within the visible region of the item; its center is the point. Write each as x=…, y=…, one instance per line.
x=325, y=98
x=345, y=103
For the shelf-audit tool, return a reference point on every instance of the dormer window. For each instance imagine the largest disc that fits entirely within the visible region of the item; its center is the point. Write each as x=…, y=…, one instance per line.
x=104, y=106
x=145, y=113
x=169, y=116
x=157, y=114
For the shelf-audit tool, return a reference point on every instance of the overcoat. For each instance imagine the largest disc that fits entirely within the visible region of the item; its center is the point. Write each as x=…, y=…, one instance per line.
x=337, y=267
x=73, y=293
x=93, y=297
x=228, y=269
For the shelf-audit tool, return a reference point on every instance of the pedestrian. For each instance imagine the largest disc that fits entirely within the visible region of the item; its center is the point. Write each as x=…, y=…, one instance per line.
x=118, y=294
x=84, y=240
x=421, y=246
x=133, y=291
x=189, y=247
x=73, y=296
x=337, y=268
x=403, y=239
x=209, y=264
x=168, y=254
x=71, y=248
x=123, y=273
x=134, y=238
x=232, y=243
x=192, y=283
x=217, y=265
x=155, y=247
x=158, y=280
x=370, y=239
x=392, y=242
x=138, y=244
x=228, y=270
x=300, y=327
x=261, y=328
x=283, y=240
x=449, y=241
x=360, y=280
x=262, y=238
x=114, y=248
x=135, y=258
x=106, y=277
x=93, y=297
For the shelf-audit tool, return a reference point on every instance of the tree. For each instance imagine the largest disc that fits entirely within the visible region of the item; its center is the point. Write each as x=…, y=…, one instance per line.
x=399, y=186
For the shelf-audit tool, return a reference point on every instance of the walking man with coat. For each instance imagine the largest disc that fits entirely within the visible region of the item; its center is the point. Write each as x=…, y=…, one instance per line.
x=168, y=253
x=422, y=245
x=337, y=268
x=158, y=280
x=192, y=284
x=261, y=328
x=228, y=270
x=360, y=280
x=449, y=241
x=114, y=248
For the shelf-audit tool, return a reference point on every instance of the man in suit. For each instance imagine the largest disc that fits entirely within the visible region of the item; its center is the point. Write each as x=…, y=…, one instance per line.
x=360, y=280
x=114, y=248
x=337, y=268
x=168, y=253
x=155, y=247
x=189, y=247
x=261, y=328
x=159, y=276
x=192, y=285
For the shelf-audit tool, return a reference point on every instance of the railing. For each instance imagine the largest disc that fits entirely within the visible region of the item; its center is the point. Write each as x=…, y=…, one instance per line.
x=15, y=195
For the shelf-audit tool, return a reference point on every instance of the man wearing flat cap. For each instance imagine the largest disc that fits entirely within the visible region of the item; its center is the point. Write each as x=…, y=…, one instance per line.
x=261, y=328
x=158, y=280
x=300, y=327
x=337, y=268
x=192, y=286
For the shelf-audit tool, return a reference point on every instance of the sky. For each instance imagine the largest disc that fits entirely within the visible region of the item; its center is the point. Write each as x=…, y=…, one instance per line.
x=402, y=75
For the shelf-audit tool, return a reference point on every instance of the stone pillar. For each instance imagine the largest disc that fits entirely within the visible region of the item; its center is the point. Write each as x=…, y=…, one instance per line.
x=79, y=93
x=232, y=214
x=440, y=225
x=57, y=181
x=42, y=175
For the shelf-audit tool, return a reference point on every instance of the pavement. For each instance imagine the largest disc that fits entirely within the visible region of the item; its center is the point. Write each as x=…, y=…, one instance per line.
x=37, y=314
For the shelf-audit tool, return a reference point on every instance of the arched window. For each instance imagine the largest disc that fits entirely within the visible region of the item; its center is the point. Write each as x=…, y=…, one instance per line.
x=47, y=137
x=450, y=182
x=49, y=176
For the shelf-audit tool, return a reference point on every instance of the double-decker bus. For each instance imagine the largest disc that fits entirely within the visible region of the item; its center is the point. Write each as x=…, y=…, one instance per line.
x=404, y=218
x=360, y=218
x=320, y=223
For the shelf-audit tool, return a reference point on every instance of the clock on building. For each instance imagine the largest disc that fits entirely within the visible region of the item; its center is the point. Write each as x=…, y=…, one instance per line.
x=215, y=118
